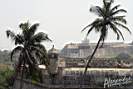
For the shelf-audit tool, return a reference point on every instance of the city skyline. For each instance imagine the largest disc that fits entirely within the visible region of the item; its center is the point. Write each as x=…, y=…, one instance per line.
x=63, y=20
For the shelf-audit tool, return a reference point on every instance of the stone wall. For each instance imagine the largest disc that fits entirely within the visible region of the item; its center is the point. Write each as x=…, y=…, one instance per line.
x=28, y=85
x=74, y=79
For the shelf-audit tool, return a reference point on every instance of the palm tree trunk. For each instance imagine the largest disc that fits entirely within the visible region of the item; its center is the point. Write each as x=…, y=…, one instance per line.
x=92, y=54
x=101, y=46
x=22, y=76
x=21, y=81
x=40, y=76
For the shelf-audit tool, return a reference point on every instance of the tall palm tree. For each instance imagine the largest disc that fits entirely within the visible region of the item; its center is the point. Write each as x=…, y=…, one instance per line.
x=109, y=18
x=29, y=48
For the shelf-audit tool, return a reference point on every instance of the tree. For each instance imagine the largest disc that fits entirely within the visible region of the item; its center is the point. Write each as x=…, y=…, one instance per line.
x=109, y=18
x=29, y=49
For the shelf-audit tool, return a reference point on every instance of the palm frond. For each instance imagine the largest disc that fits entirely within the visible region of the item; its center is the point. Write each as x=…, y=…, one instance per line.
x=10, y=34
x=118, y=31
x=19, y=39
x=16, y=50
x=33, y=29
x=39, y=37
x=35, y=56
x=24, y=26
x=41, y=53
x=118, y=11
x=113, y=27
x=121, y=34
x=108, y=4
x=85, y=27
x=120, y=19
x=121, y=25
x=97, y=10
x=115, y=8
x=104, y=3
x=41, y=47
x=111, y=1
x=94, y=25
x=25, y=30
x=90, y=30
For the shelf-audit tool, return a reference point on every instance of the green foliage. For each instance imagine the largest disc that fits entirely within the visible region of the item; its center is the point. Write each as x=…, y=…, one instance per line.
x=34, y=77
x=5, y=76
x=4, y=57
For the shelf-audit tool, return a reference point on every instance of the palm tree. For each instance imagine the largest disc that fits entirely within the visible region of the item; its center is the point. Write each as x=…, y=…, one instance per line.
x=109, y=18
x=29, y=48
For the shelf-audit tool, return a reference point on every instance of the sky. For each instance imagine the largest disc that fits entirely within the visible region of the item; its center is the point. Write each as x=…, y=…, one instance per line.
x=62, y=20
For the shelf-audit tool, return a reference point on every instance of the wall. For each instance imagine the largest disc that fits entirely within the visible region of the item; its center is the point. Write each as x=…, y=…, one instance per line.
x=28, y=85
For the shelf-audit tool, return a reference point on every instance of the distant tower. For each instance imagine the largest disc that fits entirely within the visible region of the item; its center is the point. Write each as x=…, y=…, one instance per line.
x=53, y=67
x=85, y=41
x=53, y=57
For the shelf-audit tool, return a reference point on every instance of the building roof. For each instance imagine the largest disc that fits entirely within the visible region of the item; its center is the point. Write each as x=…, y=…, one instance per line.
x=53, y=50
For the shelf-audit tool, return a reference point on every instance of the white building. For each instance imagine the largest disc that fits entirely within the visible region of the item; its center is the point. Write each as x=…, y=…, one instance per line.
x=83, y=49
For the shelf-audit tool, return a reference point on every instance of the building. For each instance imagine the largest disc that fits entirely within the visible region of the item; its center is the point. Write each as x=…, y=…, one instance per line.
x=84, y=49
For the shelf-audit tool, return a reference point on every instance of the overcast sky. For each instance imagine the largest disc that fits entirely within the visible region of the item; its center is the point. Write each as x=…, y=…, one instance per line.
x=62, y=20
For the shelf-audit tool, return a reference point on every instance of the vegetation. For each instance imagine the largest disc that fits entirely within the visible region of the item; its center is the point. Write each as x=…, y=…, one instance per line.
x=109, y=18
x=29, y=49
x=5, y=78
x=4, y=56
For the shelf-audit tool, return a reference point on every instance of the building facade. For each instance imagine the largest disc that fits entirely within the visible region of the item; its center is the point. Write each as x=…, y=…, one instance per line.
x=84, y=49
